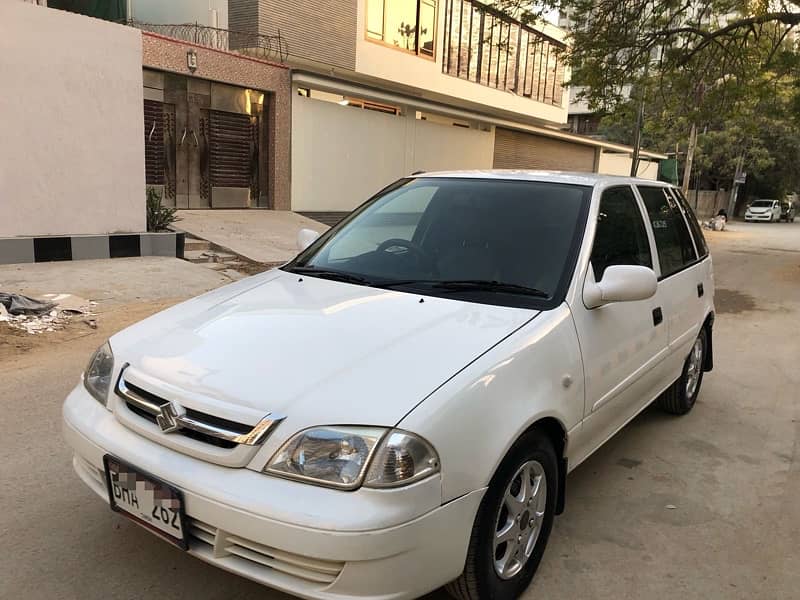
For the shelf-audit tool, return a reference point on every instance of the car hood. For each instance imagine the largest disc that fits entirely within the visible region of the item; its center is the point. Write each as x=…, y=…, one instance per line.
x=759, y=209
x=315, y=350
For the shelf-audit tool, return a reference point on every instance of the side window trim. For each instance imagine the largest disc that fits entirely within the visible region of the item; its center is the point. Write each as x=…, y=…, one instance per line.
x=643, y=219
x=682, y=210
x=697, y=259
x=651, y=236
x=700, y=253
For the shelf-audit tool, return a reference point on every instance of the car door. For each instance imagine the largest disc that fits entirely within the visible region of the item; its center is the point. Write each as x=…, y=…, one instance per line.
x=623, y=344
x=682, y=280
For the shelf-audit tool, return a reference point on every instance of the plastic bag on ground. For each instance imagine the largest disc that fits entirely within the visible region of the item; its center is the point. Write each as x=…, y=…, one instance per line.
x=17, y=304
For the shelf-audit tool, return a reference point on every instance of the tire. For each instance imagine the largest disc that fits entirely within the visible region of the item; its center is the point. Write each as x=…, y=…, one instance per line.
x=681, y=396
x=481, y=579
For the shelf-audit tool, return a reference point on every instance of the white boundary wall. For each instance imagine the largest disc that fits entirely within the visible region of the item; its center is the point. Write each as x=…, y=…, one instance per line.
x=342, y=155
x=620, y=164
x=72, y=151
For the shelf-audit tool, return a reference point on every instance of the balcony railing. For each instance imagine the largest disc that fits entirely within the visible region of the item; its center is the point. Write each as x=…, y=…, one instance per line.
x=268, y=47
x=490, y=48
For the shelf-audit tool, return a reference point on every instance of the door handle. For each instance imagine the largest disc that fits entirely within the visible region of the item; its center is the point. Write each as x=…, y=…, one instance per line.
x=658, y=316
x=700, y=290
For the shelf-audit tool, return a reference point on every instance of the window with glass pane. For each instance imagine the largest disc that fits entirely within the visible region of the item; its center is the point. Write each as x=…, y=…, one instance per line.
x=620, y=237
x=406, y=24
x=489, y=47
x=674, y=243
x=694, y=225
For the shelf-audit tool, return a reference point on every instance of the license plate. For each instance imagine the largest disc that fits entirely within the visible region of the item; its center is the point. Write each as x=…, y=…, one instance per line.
x=145, y=499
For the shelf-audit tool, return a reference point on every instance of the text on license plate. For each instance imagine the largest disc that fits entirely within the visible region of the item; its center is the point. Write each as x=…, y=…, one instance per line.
x=145, y=499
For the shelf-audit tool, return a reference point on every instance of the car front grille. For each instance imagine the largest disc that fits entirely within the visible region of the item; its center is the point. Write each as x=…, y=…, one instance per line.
x=205, y=538
x=191, y=423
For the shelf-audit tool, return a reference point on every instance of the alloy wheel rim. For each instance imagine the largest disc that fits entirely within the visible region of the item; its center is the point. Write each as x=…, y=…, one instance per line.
x=519, y=519
x=694, y=368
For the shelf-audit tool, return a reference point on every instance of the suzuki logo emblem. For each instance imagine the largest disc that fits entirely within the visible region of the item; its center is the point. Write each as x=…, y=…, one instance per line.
x=168, y=417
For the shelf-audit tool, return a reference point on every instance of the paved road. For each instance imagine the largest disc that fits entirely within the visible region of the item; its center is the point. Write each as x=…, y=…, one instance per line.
x=730, y=469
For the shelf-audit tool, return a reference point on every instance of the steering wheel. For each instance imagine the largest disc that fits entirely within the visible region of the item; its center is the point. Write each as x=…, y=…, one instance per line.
x=422, y=255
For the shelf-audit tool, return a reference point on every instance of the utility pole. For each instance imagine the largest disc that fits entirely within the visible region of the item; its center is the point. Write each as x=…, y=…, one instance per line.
x=637, y=138
x=687, y=171
x=735, y=187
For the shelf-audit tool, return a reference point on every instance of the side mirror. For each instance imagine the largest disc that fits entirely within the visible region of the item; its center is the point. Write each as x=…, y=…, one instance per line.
x=620, y=283
x=306, y=237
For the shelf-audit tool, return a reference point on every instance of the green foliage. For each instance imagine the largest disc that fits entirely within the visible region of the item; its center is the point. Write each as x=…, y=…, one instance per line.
x=159, y=217
x=731, y=67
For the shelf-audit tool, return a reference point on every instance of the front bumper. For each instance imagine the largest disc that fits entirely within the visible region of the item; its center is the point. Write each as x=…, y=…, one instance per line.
x=758, y=217
x=231, y=525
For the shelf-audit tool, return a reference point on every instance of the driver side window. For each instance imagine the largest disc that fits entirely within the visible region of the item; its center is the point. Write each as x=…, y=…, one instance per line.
x=397, y=219
x=620, y=238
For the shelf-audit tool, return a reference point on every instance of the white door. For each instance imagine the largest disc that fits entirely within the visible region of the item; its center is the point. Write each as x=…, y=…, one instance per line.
x=623, y=344
x=680, y=274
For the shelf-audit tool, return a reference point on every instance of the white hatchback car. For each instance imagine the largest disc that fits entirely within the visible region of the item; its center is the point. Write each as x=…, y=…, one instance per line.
x=763, y=210
x=398, y=407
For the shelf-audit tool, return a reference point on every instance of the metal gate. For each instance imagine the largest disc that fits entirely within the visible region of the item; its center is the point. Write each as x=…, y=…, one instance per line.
x=205, y=142
x=232, y=146
x=159, y=148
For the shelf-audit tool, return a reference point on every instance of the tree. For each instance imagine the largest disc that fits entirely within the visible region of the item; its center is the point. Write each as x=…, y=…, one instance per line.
x=728, y=67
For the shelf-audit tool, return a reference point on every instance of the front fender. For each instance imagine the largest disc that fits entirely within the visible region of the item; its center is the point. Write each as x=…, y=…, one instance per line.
x=474, y=418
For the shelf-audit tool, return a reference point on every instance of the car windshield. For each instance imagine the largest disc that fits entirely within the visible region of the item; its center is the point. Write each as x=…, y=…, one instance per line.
x=762, y=203
x=507, y=242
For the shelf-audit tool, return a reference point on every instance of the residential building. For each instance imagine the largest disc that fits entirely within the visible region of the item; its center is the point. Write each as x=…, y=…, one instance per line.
x=315, y=105
x=382, y=88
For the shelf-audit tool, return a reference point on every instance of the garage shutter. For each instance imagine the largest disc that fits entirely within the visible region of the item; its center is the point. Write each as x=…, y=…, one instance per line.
x=519, y=150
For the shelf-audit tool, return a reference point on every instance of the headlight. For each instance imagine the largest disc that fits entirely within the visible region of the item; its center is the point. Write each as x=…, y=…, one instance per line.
x=346, y=457
x=333, y=456
x=97, y=377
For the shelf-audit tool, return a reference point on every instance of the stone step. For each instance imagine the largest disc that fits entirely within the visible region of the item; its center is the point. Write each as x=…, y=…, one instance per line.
x=208, y=256
x=192, y=245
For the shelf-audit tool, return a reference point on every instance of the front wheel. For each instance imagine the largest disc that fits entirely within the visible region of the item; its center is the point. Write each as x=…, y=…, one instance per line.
x=680, y=397
x=513, y=524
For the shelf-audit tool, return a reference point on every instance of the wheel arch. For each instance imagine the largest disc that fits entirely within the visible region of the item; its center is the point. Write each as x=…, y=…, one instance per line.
x=555, y=431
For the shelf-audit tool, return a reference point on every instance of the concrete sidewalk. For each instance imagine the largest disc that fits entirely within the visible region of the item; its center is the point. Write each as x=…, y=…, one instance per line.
x=264, y=236
x=112, y=281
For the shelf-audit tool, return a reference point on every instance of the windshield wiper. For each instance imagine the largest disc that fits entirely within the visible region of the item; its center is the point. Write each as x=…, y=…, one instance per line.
x=482, y=285
x=330, y=274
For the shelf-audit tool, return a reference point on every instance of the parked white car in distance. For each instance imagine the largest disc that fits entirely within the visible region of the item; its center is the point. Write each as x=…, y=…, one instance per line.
x=398, y=407
x=763, y=210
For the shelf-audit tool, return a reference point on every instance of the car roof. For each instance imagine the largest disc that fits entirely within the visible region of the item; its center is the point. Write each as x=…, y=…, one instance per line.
x=574, y=178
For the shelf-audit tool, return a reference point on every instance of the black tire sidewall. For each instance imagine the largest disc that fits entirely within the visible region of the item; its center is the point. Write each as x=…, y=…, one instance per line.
x=688, y=401
x=532, y=446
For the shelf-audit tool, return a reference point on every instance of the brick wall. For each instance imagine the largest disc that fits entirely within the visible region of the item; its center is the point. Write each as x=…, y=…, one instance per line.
x=322, y=31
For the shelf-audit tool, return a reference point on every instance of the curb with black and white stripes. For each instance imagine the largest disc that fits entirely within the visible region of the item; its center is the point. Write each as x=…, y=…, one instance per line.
x=81, y=247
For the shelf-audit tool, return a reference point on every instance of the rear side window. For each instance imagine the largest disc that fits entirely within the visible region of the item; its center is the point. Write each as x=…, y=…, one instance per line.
x=694, y=225
x=620, y=238
x=673, y=240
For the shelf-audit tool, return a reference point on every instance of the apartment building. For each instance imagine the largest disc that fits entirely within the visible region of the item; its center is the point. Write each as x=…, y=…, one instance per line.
x=377, y=89
x=383, y=88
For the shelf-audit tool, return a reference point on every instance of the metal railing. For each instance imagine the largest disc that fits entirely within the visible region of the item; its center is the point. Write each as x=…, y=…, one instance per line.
x=486, y=46
x=269, y=47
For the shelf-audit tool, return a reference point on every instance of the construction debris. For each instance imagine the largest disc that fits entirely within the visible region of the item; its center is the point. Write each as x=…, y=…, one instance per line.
x=35, y=316
x=16, y=304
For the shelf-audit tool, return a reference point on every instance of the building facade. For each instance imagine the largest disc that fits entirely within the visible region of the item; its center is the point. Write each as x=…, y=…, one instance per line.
x=383, y=88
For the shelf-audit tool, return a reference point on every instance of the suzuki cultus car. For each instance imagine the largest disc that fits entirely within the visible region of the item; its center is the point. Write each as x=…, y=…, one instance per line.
x=397, y=408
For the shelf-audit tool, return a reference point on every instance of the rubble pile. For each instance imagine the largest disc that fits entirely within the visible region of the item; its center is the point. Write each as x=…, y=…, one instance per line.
x=52, y=313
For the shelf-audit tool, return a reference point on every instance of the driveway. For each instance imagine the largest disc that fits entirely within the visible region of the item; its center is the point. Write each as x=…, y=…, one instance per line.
x=700, y=507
